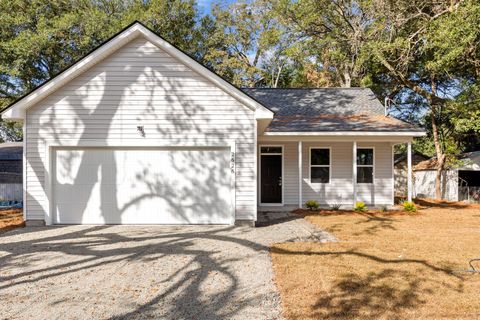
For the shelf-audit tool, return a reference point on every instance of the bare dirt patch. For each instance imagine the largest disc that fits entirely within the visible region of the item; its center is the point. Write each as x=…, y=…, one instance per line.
x=385, y=266
x=10, y=219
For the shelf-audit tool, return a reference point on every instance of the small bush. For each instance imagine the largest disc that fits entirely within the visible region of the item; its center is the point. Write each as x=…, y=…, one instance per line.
x=312, y=204
x=336, y=206
x=360, y=207
x=409, y=206
x=383, y=208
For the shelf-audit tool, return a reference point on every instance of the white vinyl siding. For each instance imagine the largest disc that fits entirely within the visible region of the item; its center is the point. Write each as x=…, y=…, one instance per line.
x=140, y=85
x=340, y=188
x=290, y=173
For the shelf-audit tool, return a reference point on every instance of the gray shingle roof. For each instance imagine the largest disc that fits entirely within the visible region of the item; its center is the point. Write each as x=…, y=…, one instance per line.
x=326, y=109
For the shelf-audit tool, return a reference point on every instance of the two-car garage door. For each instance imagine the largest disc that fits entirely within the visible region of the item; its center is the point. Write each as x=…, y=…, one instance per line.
x=142, y=186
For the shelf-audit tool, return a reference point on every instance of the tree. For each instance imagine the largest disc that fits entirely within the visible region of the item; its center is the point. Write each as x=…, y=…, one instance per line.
x=38, y=39
x=332, y=35
x=247, y=46
x=421, y=54
x=416, y=53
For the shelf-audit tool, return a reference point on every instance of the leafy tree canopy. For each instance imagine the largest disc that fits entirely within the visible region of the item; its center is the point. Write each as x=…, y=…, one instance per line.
x=423, y=55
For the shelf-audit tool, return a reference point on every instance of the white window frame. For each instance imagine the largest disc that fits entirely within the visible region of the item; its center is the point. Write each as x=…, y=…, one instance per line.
x=260, y=173
x=329, y=166
x=366, y=166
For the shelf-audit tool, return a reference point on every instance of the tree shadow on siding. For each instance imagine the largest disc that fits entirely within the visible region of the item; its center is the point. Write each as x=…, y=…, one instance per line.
x=170, y=115
x=173, y=119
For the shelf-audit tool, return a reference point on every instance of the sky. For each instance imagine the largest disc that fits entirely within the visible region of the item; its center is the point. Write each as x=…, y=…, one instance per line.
x=205, y=6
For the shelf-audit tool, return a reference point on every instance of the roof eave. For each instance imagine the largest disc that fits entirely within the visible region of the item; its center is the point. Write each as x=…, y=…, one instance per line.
x=17, y=110
x=349, y=133
x=14, y=114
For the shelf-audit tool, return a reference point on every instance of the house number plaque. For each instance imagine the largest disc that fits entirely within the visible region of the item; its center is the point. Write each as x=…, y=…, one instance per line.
x=232, y=162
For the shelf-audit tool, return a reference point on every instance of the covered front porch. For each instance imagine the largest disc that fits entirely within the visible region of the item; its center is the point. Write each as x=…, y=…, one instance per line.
x=292, y=169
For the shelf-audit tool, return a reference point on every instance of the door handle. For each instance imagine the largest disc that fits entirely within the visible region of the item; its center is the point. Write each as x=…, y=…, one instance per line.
x=280, y=181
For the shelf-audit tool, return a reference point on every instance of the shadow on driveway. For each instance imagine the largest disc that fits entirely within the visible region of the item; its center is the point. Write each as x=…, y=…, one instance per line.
x=117, y=272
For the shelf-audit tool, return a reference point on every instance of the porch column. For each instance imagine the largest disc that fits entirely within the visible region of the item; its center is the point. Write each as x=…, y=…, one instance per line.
x=300, y=175
x=354, y=178
x=409, y=171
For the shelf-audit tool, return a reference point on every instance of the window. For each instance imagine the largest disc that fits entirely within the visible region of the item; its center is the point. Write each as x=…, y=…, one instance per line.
x=365, y=165
x=319, y=165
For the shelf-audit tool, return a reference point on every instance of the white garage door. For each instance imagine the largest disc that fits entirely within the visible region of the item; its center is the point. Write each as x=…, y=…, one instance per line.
x=148, y=186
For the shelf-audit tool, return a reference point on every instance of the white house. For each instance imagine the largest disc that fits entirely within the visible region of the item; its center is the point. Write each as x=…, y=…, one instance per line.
x=137, y=132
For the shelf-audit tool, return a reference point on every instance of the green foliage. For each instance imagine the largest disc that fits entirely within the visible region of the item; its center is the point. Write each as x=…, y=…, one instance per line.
x=331, y=33
x=38, y=39
x=423, y=55
x=312, y=204
x=10, y=131
x=453, y=39
x=360, y=207
x=409, y=206
x=248, y=46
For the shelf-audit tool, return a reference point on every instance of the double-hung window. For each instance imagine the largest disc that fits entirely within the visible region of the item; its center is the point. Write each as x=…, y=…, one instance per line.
x=365, y=165
x=319, y=165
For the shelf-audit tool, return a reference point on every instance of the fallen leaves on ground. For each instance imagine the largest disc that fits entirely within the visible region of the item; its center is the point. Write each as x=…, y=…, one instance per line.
x=11, y=218
x=385, y=266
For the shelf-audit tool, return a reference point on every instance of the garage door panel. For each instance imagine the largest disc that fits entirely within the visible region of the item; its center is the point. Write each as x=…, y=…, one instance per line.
x=153, y=186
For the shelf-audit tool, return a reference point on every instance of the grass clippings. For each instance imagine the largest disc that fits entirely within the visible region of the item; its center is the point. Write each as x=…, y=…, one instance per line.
x=392, y=265
x=10, y=219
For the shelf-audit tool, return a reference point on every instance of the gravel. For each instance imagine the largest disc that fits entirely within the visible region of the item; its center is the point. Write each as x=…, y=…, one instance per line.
x=144, y=272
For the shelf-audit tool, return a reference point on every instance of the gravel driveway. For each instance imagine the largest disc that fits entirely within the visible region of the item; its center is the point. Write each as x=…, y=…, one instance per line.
x=167, y=272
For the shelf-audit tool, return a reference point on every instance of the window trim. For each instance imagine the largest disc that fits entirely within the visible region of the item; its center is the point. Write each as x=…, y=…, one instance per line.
x=271, y=153
x=329, y=166
x=366, y=165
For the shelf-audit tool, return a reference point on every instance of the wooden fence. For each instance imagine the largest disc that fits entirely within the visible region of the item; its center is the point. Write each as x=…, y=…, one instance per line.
x=11, y=191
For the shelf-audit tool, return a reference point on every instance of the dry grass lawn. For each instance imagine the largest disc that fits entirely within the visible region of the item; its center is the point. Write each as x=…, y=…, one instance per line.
x=385, y=266
x=11, y=218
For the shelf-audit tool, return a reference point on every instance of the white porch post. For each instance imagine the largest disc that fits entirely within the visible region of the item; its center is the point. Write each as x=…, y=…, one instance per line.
x=409, y=171
x=300, y=175
x=354, y=176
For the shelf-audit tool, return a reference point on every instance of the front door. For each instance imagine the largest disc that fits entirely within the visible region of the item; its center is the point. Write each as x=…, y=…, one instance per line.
x=271, y=178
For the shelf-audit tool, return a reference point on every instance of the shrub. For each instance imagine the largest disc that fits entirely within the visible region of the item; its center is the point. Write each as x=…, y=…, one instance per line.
x=384, y=209
x=409, y=206
x=336, y=206
x=312, y=204
x=360, y=207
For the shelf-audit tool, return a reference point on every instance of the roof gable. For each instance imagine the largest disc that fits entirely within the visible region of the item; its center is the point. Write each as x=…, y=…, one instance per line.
x=16, y=110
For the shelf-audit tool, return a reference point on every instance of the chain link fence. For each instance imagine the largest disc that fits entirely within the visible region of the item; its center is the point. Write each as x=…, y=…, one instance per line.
x=469, y=194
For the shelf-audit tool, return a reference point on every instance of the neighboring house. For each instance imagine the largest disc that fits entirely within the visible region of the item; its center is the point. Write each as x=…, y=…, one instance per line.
x=400, y=171
x=137, y=132
x=11, y=168
x=459, y=183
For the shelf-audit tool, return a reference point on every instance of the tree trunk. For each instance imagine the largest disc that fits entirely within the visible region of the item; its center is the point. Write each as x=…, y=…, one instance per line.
x=440, y=156
x=277, y=77
x=347, y=79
